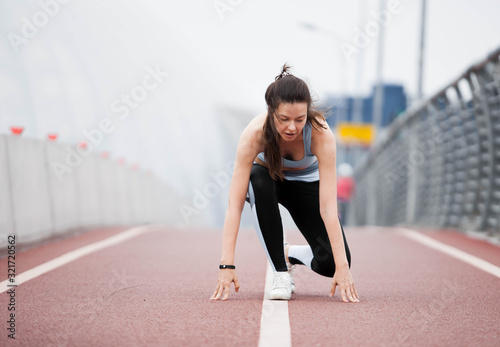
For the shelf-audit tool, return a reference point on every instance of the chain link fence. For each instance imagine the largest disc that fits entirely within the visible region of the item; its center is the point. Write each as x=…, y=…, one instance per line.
x=439, y=163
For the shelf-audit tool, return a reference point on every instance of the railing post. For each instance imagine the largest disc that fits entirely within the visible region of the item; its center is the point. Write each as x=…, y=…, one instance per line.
x=413, y=177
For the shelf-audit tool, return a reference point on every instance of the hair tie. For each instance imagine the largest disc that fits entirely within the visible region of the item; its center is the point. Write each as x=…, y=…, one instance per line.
x=281, y=75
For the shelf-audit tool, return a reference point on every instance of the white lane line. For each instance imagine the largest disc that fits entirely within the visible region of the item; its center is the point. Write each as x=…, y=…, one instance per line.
x=73, y=255
x=274, y=322
x=452, y=251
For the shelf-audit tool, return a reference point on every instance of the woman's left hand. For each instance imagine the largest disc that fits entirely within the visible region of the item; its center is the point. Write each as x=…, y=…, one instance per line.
x=343, y=279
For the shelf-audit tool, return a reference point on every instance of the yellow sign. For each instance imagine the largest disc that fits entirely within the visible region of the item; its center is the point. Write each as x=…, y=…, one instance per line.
x=355, y=133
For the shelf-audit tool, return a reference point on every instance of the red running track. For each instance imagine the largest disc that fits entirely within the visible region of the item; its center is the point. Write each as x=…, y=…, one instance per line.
x=154, y=290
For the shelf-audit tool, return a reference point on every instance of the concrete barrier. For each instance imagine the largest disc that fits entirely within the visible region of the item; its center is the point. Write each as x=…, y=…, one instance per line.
x=30, y=196
x=6, y=213
x=63, y=193
x=38, y=201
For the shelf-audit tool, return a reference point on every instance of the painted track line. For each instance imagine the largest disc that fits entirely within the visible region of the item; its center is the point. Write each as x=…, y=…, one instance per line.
x=274, y=323
x=73, y=255
x=452, y=251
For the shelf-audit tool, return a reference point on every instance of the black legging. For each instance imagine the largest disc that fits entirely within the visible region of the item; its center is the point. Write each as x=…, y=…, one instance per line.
x=301, y=199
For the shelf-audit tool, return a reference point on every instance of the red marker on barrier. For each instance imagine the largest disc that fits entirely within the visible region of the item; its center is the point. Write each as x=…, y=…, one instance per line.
x=105, y=154
x=52, y=137
x=16, y=130
x=82, y=144
x=121, y=161
x=135, y=166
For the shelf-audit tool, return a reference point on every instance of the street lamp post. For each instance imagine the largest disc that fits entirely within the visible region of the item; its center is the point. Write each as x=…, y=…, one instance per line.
x=421, y=51
x=378, y=102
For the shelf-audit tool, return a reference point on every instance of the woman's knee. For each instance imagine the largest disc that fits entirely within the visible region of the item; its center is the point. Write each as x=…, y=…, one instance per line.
x=324, y=267
x=323, y=262
x=260, y=178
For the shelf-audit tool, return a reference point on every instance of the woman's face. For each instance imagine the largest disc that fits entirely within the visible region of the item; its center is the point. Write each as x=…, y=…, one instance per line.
x=290, y=119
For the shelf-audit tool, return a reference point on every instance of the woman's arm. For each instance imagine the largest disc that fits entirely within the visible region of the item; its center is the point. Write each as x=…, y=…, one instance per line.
x=237, y=194
x=325, y=151
x=247, y=151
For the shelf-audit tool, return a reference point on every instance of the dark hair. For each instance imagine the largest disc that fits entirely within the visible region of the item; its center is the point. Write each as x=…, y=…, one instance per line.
x=286, y=88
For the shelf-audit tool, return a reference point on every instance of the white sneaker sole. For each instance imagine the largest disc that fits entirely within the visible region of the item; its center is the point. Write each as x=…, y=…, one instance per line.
x=279, y=295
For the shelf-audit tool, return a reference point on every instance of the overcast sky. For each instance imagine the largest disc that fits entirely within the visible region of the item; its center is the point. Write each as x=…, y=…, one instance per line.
x=251, y=41
x=232, y=49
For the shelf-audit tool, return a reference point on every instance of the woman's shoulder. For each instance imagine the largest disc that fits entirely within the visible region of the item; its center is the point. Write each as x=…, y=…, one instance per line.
x=255, y=126
x=259, y=120
x=322, y=136
x=253, y=133
x=322, y=130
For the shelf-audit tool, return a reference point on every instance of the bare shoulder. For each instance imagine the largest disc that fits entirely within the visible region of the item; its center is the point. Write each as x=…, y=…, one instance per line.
x=322, y=138
x=253, y=134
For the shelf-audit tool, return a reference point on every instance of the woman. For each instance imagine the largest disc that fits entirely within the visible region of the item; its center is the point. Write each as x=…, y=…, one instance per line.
x=287, y=155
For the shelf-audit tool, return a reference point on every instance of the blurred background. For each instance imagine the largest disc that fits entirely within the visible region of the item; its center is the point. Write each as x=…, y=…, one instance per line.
x=161, y=90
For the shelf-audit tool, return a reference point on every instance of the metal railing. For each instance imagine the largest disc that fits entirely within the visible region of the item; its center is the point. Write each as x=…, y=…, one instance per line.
x=439, y=163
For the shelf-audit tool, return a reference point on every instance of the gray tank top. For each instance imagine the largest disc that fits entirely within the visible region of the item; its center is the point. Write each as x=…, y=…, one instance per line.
x=309, y=162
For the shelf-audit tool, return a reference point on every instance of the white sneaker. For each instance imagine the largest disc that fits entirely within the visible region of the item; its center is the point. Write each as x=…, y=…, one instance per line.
x=291, y=269
x=282, y=286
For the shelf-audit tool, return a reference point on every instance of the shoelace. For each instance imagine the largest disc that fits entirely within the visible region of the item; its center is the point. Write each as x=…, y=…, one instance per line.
x=280, y=282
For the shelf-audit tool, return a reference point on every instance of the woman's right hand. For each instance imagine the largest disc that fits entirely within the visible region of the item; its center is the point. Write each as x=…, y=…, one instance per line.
x=226, y=277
